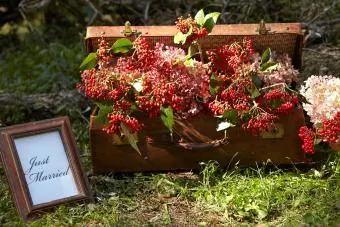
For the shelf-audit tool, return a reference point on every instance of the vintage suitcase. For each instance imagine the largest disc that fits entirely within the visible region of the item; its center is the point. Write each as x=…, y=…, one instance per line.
x=196, y=140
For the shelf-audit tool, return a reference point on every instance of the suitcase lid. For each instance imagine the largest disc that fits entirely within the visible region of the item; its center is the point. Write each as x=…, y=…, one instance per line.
x=280, y=37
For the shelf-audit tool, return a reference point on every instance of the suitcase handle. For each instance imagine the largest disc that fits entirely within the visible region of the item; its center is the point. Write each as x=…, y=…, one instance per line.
x=199, y=146
x=162, y=138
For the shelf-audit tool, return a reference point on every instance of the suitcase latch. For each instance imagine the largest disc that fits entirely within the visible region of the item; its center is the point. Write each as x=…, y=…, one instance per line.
x=127, y=32
x=263, y=30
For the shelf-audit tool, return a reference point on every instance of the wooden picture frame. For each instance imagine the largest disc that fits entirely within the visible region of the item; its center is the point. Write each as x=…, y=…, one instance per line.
x=42, y=166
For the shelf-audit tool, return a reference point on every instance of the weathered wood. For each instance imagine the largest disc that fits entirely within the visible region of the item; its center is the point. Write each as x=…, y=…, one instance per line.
x=195, y=140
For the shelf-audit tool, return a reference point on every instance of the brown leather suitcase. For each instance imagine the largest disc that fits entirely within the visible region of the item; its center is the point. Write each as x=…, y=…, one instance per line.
x=196, y=140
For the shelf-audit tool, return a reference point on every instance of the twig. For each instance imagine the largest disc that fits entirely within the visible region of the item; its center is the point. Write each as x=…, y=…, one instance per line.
x=328, y=22
x=320, y=14
x=223, y=12
x=146, y=11
x=322, y=22
x=96, y=11
x=273, y=85
x=25, y=19
x=319, y=52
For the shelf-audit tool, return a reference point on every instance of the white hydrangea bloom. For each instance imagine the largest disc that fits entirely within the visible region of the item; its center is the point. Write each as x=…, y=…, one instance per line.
x=323, y=93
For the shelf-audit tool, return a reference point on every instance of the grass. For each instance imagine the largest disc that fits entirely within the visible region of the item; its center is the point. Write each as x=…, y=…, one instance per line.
x=240, y=196
x=38, y=67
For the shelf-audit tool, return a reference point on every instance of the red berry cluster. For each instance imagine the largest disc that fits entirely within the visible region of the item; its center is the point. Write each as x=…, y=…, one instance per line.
x=184, y=24
x=237, y=97
x=102, y=84
x=104, y=54
x=229, y=58
x=279, y=101
x=163, y=79
x=164, y=82
x=233, y=65
x=307, y=136
x=115, y=120
x=123, y=106
x=260, y=123
x=97, y=86
x=144, y=57
x=330, y=130
x=217, y=108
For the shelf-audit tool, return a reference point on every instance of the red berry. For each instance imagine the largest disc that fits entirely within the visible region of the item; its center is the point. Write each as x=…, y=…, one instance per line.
x=307, y=136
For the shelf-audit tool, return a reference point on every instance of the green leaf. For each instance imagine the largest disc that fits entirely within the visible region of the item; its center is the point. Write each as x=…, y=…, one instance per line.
x=266, y=56
x=317, y=141
x=257, y=81
x=209, y=24
x=89, y=62
x=215, y=78
x=214, y=90
x=133, y=107
x=132, y=138
x=268, y=66
x=192, y=51
x=104, y=110
x=214, y=84
x=275, y=103
x=201, y=100
x=167, y=117
x=231, y=116
x=254, y=93
x=199, y=18
x=271, y=68
x=181, y=38
x=224, y=125
x=213, y=15
x=122, y=45
x=189, y=62
x=318, y=125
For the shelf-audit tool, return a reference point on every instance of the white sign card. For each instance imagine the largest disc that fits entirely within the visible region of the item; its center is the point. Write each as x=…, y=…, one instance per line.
x=46, y=167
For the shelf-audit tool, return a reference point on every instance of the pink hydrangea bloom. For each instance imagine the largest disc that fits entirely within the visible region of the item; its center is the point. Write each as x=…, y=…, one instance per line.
x=169, y=53
x=284, y=72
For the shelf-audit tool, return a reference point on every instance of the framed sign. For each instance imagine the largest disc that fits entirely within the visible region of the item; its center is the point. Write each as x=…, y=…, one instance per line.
x=42, y=166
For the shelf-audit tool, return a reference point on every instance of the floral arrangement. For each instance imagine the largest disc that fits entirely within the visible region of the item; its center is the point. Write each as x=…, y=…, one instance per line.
x=234, y=83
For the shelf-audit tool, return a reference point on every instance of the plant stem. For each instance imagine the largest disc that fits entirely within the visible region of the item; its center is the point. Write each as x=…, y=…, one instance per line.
x=200, y=51
x=273, y=85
